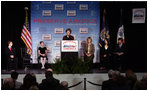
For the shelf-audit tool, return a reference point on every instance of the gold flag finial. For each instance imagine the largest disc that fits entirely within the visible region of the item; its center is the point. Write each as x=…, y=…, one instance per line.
x=26, y=8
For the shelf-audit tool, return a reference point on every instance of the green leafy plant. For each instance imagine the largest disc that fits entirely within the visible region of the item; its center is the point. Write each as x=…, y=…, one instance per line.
x=78, y=67
x=60, y=67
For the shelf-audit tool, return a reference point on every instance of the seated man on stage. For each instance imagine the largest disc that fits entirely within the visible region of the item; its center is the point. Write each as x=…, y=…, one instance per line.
x=89, y=50
x=11, y=56
x=119, y=55
x=42, y=51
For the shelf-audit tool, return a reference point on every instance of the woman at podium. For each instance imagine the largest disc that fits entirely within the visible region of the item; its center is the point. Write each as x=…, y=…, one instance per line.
x=69, y=57
x=68, y=36
x=89, y=50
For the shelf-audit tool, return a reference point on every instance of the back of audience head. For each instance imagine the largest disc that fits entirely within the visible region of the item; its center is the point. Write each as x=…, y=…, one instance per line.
x=131, y=75
x=144, y=81
x=121, y=80
x=144, y=77
x=33, y=87
x=49, y=69
x=111, y=73
x=14, y=75
x=28, y=81
x=33, y=77
x=117, y=72
x=48, y=74
x=64, y=84
x=139, y=86
x=8, y=84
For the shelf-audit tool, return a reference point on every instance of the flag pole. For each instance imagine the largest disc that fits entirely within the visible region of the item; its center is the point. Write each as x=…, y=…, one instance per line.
x=26, y=9
x=104, y=13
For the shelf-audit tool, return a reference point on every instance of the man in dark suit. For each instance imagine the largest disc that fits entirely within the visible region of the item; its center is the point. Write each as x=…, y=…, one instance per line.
x=11, y=57
x=50, y=83
x=119, y=57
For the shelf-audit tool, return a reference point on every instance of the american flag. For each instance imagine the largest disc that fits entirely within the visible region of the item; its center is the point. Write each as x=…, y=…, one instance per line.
x=25, y=35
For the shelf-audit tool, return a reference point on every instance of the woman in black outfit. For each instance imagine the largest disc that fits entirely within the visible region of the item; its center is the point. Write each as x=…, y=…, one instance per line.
x=42, y=51
x=105, y=55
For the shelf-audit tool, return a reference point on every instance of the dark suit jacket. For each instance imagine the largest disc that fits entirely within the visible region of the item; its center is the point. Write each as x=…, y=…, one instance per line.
x=108, y=85
x=118, y=49
x=103, y=51
x=92, y=49
x=49, y=84
x=8, y=52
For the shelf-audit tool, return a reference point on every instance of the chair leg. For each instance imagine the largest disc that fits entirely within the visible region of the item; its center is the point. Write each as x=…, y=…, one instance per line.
x=38, y=63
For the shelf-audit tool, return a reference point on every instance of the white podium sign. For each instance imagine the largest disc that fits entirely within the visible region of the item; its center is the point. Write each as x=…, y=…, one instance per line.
x=69, y=46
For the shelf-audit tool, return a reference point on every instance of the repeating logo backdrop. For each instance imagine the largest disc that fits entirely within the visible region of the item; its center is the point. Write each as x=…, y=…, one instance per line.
x=50, y=19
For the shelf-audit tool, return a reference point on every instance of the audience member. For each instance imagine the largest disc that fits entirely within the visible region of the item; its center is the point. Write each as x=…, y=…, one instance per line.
x=14, y=76
x=116, y=81
x=33, y=87
x=109, y=84
x=139, y=86
x=64, y=85
x=142, y=84
x=49, y=69
x=121, y=83
x=50, y=83
x=8, y=84
x=28, y=81
x=144, y=81
x=131, y=78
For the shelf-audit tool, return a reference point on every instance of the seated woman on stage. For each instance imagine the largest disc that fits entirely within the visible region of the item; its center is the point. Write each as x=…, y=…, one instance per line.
x=68, y=36
x=105, y=54
x=89, y=50
x=42, y=51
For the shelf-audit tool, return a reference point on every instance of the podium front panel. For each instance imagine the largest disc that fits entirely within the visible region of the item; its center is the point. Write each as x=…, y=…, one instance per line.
x=69, y=46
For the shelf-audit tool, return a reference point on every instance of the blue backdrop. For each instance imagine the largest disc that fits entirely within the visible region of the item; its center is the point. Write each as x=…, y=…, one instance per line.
x=49, y=20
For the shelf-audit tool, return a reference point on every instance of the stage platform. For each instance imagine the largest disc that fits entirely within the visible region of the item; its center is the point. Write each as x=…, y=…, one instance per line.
x=39, y=71
x=96, y=77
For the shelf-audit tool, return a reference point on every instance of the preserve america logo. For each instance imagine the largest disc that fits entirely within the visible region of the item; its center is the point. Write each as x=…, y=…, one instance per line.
x=58, y=30
x=57, y=43
x=83, y=30
x=71, y=12
x=46, y=13
x=59, y=7
x=83, y=7
x=46, y=37
x=70, y=46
